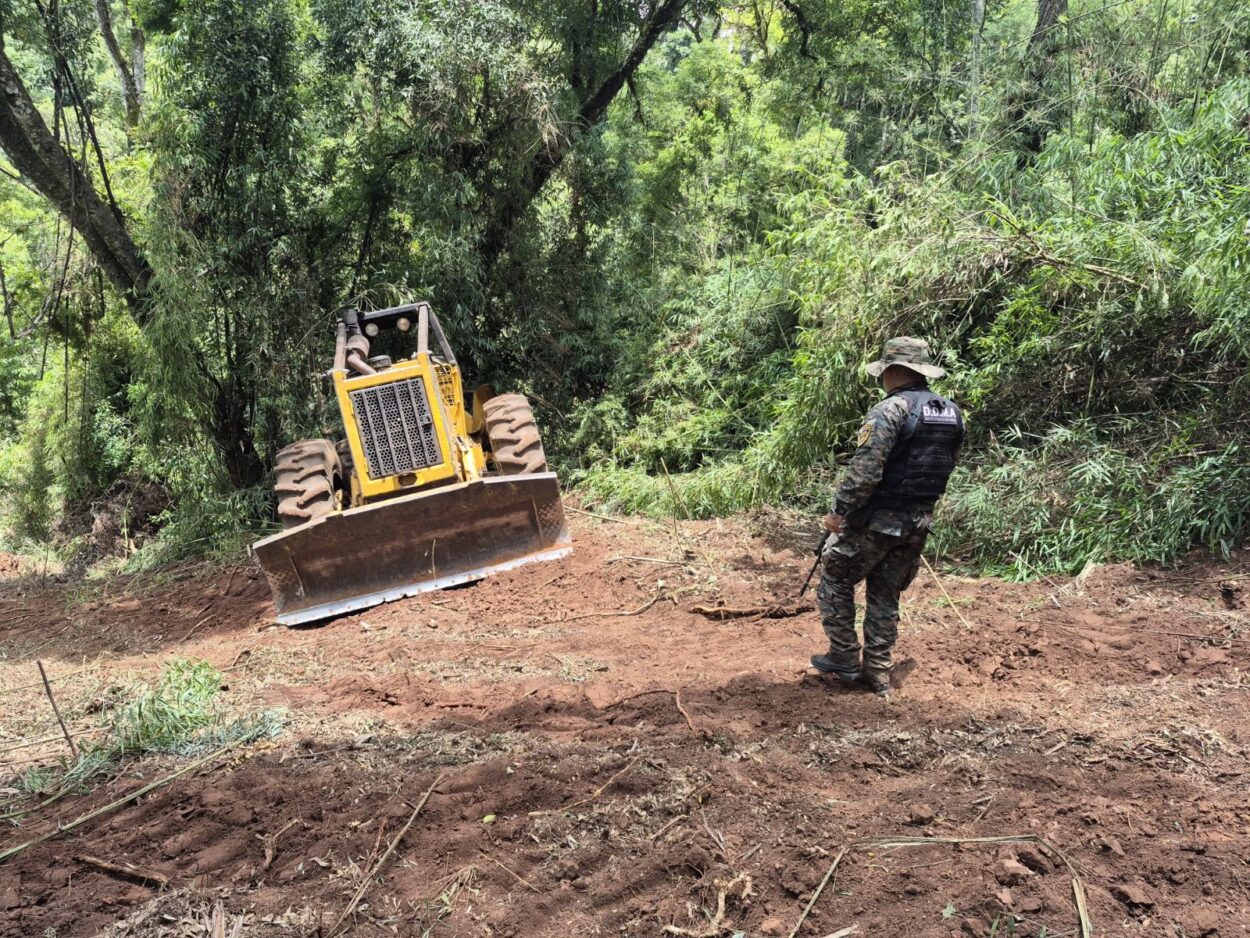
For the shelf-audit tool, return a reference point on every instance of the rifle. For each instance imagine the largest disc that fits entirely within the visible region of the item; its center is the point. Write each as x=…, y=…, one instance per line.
x=820, y=549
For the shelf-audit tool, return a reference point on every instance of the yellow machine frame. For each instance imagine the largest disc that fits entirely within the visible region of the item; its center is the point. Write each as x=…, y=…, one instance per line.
x=443, y=525
x=455, y=426
x=464, y=459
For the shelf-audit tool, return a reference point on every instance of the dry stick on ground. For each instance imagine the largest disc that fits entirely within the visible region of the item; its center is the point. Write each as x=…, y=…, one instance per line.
x=56, y=680
x=351, y=906
x=27, y=743
x=124, y=870
x=1078, y=887
x=660, y=833
x=195, y=628
x=684, y=712
x=633, y=612
x=583, y=511
x=671, y=563
x=643, y=693
x=510, y=872
x=950, y=601
x=585, y=801
x=73, y=750
x=120, y=802
x=778, y=611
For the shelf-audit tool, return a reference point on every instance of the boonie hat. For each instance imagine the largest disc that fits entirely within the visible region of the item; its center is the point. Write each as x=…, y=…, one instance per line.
x=908, y=352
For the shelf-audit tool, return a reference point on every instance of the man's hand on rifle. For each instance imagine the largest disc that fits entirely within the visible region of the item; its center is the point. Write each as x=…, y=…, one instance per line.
x=834, y=524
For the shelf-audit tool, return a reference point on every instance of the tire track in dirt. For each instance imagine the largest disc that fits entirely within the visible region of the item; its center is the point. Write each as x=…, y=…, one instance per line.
x=1041, y=719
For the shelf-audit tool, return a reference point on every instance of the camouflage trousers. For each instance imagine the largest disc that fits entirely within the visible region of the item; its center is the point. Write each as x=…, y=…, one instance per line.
x=889, y=563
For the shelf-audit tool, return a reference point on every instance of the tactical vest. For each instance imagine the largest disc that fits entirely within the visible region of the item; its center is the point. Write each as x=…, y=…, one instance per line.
x=924, y=454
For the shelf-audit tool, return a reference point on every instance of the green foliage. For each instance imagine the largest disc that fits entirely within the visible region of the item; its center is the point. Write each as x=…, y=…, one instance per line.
x=691, y=295
x=1090, y=311
x=180, y=713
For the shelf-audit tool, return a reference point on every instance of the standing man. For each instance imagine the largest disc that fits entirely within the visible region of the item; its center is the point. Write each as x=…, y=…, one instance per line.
x=907, y=449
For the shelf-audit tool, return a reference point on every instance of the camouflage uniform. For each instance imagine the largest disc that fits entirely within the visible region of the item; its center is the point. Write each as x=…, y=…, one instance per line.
x=885, y=552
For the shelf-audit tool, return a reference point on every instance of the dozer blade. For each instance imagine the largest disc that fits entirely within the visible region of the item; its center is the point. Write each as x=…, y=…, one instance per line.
x=426, y=541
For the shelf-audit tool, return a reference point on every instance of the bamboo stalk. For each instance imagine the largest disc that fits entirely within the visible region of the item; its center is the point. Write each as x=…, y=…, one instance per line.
x=73, y=750
x=114, y=805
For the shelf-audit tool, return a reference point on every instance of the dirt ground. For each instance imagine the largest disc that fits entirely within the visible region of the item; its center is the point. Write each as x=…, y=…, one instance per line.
x=606, y=761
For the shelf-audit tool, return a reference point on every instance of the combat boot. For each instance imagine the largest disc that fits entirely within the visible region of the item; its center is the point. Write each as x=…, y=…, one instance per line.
x=877, y=682
x=827, y=664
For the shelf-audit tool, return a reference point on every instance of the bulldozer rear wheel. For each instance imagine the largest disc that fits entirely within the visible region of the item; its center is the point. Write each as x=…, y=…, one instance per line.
x=513, y=435
x=309, y=481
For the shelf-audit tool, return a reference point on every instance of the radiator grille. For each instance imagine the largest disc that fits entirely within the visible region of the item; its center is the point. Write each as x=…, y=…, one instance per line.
x=396, y=428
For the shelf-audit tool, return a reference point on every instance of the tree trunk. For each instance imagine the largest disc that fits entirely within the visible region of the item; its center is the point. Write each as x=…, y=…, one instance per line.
x=232, y=432
x=39, y=157
x=548, y=159
x=138, y=62
x=1027, y=112
x=131, y=94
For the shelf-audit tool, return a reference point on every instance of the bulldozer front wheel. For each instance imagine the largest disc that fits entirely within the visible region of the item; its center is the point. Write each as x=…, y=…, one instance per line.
x=309, y=482
x=513, y=435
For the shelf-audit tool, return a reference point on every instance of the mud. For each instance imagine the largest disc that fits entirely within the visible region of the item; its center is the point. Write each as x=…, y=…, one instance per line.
x=609, y=762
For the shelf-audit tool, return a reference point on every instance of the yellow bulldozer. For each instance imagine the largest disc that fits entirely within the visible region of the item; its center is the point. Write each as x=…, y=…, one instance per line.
x=426, y=490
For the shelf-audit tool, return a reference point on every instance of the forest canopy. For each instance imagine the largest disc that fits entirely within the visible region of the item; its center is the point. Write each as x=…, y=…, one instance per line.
x=680, y=227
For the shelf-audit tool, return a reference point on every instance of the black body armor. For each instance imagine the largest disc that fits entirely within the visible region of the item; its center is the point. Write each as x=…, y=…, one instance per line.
x=924, y=454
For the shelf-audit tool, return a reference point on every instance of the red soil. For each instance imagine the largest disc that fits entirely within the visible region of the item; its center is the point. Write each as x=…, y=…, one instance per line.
x=1105, y=715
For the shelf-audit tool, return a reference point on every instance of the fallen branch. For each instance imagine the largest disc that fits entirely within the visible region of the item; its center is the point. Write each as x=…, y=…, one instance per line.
x=27, y=743
x=195, y=628
x=630, y=557
x=660, y=833
x=819, y=889
x=351, y=906
x=633, y=612
x=1078, y=887
x=585, y=801
x=779, y=611
x=617, y=703
x=124, y=871
x=682, y=710
x=120, y=802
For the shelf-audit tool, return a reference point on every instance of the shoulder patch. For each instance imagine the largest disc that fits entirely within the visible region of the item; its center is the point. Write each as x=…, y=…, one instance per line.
x=864, y=435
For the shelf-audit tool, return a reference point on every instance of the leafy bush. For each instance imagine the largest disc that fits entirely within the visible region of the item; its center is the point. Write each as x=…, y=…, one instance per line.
x=180, y=713
x=1100, y=348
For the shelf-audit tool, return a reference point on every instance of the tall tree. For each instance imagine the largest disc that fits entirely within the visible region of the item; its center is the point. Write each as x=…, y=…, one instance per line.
x=55, y=174
x=593, y=105
x=130, y=73
x=1028, y=112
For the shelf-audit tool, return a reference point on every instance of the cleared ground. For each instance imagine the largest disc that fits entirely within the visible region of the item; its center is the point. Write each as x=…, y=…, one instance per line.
x=647, y=769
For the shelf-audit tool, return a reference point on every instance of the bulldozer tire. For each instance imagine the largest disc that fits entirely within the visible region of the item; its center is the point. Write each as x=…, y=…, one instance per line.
x=513, y=435
x=344, y=450
x=309, y=480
